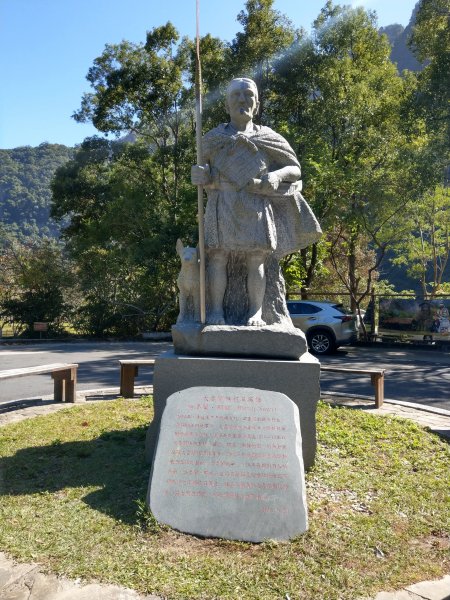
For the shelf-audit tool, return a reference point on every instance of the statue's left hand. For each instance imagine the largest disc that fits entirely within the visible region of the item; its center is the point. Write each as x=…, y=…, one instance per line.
x=270, y=181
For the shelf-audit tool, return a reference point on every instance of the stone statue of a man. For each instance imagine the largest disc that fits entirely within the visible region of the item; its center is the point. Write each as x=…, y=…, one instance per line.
x=255, y=209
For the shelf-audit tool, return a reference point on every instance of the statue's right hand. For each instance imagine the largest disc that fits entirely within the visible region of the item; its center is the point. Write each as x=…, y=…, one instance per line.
x=200, y=175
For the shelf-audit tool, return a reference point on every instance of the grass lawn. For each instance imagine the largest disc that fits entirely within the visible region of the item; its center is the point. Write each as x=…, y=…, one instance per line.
x=73, y=486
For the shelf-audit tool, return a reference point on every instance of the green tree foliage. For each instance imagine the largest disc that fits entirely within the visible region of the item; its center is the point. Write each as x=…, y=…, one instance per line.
x=216, y=65
x=431, y=42
x=25, y=175
x=341, y=99
x=130, y=202
x=266, y=34
x=136, y=87
x=423, y=251
x=139, y=88
x=34, y=281
x=123, y=229
x=426, y=251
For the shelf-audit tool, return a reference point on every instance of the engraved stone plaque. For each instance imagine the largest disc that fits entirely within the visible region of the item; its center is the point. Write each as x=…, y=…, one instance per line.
x=229, y=464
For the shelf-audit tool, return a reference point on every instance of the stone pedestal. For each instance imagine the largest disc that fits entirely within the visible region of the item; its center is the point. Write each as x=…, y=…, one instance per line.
x=297, y=379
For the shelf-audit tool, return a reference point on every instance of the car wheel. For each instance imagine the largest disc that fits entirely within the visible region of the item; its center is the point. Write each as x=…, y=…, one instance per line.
x=321, y=342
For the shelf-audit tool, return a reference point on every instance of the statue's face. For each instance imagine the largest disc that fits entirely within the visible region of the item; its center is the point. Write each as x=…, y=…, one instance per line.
x=242, y=101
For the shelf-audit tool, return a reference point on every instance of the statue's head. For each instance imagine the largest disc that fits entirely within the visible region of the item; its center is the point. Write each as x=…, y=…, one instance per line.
x=242, y=98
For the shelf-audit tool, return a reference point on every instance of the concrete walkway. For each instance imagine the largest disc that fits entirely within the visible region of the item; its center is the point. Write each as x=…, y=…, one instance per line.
x=28, y=582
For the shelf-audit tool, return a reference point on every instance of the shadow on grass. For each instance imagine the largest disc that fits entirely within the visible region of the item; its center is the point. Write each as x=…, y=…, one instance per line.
x=444, y=435
x=13, y=405
x=114, y=461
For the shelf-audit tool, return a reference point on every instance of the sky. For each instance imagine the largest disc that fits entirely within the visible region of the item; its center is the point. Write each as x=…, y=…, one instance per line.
x=47, y=47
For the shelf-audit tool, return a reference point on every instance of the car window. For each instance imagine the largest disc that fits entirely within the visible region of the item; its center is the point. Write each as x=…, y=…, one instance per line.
x=342, y=309
x=293, y=308
x=309, y=309
x=303, y=308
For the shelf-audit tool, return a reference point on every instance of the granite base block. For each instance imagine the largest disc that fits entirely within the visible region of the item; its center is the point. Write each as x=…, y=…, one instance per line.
x=299, y=380
x=270, y=341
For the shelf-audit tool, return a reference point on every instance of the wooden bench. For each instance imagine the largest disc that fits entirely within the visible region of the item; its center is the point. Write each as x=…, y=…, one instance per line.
x=129, y=369
x=376, y=378
x=64, y=376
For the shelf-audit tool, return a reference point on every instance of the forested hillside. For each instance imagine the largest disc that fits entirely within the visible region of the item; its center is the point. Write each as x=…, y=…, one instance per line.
x=25, y=175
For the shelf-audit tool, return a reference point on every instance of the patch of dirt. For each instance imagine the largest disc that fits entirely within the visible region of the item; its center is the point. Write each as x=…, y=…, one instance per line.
x=176, y=544
x=438, y=540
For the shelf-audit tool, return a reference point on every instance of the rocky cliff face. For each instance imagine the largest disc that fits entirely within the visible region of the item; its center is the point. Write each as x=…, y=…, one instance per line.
x=399, y=36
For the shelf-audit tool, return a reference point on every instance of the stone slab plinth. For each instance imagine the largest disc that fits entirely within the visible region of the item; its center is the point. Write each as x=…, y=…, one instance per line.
x=229, y=464
x=297, y=379
x=270, y=341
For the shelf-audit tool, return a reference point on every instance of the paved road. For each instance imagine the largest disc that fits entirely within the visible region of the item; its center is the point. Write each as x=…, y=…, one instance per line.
x=413, y=375
x=98, y=366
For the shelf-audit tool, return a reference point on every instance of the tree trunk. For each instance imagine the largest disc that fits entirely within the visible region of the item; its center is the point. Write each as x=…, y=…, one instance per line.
x=352, y=278
x=310, y=270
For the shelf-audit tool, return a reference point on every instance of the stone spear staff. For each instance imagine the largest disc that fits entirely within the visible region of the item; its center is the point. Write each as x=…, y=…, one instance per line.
x=201, y=222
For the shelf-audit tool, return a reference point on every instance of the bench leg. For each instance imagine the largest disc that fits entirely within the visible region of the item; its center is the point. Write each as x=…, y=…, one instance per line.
x=65, y=384
x=70, y=386
x=58, y=388
x=377, y=380
x=127, y=375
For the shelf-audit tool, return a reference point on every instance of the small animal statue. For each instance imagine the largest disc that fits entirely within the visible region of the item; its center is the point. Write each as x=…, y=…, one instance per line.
x=188, y=283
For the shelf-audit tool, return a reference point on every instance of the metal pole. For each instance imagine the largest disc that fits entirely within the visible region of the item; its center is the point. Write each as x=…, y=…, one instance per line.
x=201, y=223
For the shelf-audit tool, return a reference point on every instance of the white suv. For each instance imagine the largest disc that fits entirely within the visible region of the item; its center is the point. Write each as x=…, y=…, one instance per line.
x=327, y=325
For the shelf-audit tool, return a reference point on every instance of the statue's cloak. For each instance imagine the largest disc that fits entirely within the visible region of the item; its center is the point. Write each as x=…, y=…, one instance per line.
x=239, y=216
